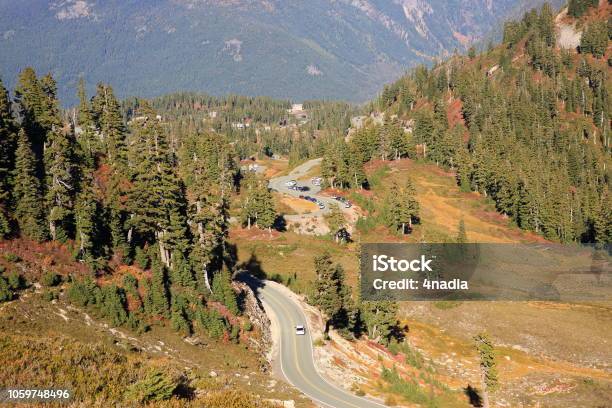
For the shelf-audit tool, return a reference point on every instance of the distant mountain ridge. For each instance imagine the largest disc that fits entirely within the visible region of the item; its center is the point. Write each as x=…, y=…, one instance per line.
x=332, y=49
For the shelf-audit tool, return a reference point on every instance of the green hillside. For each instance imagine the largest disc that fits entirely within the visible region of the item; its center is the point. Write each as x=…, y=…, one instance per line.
x=526, y=123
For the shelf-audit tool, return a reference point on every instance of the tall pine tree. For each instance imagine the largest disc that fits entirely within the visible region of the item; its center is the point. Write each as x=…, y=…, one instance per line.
x=157, y=204
x=29, y=211
x=7, y=159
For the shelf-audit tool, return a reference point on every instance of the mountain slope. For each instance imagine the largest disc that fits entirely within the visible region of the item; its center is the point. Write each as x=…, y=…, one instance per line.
x=289, y=49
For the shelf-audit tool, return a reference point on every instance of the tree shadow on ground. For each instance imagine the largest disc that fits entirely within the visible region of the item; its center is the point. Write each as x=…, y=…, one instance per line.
x=280, y=224
x=473, y=395
x=253, y=267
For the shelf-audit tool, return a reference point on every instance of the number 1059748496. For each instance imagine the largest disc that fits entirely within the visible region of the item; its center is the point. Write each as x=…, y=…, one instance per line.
x=34, y=394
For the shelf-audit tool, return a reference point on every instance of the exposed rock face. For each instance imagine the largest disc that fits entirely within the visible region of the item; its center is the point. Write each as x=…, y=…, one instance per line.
x=256, y=314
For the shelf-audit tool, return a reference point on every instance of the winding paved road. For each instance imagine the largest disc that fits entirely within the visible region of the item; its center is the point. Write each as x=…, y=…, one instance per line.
x=295, y=353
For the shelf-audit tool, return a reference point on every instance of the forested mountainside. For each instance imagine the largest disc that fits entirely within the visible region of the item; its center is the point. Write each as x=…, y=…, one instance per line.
x=119, y=195
x=287, y=49
x=526, y=123
x=259, y=126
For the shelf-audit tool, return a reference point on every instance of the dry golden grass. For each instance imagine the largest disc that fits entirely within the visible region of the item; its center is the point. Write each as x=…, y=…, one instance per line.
x=274, y=168
x=298, y=206
x=443, y=205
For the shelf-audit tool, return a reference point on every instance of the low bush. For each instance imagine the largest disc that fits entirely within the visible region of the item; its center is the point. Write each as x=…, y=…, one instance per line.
x=50, y=279
x=410, y=390
x=11, y=257
x=16, y=281
x=6, y=293
x=156, y=386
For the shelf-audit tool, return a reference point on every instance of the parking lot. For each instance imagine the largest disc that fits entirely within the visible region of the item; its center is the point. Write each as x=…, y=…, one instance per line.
x=308, y=190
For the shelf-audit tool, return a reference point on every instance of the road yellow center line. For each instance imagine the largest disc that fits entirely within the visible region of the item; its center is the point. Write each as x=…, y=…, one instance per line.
x=279, y=309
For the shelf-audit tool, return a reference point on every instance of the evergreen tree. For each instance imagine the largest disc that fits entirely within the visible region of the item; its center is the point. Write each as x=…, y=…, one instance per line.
x=180, y=316
x=7, y=160
x=337, y=223
x=472, y=53
x=210, y=225
x=181, y=272
x=156, y=198
x=329, y=294
x=546, y=25
x=29, y=212
x=87, y=215
x=577, y=8
x=266, y=211
x=158, y=294
x=463, y=163
x=602, y=220
x=114, y=304
x=31, y=104
x=86, y=132
x=223, y=292
x=106, y=113
x=209, y=173
x=6, y=294
x=249, y=189
x=594, y=40
x=380, y=319
x=130, y=283
x=104, y=132
x=399, y=145
x=356, y=161
x=488, y=366
x=60, y=170
x=402, y=207
x=258, y=205
x=365, y=142
x=461, y=234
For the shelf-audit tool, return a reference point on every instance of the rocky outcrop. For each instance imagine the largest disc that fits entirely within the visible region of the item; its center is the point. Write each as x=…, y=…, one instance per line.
x=256, y=314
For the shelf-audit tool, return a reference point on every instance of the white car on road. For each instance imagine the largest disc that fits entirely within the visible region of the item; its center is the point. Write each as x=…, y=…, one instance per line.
x=300, y=330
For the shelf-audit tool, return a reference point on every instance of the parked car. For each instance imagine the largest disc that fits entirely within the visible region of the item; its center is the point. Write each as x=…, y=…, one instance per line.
x=321, y=205
x=316, y=181
x=291, y=183
x=300, y=330
x=347, y=204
